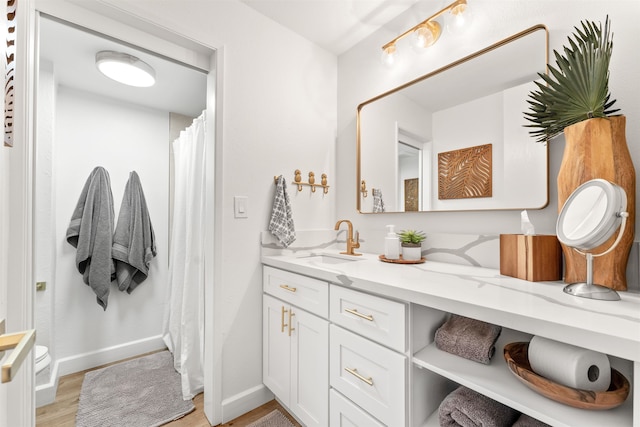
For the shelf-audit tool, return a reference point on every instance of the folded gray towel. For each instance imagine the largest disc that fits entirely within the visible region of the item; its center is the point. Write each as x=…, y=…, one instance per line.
x=469, y=338
x=281, y=223
x=378, y=203
x=134, y=242
x=467, y=408
x=91, y=233
x=527, y=421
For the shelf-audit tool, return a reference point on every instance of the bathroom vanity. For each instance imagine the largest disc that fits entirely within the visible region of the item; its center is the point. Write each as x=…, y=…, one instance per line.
x=351, y=338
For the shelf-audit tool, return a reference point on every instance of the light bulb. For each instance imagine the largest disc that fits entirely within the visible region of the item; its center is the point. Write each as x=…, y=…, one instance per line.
x=459, y=19
x=389, y=55
x=427, y=34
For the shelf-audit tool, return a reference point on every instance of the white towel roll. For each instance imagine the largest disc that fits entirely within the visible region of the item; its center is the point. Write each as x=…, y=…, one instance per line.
x=569, y=365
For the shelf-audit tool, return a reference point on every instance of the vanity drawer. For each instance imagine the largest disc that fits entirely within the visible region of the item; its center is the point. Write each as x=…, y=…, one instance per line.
x=345, y=413
x=369, y=374
x=302, y=291
x=376, y=318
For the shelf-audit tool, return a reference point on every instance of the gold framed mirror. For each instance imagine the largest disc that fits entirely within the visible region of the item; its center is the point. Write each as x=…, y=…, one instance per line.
x=473, y=102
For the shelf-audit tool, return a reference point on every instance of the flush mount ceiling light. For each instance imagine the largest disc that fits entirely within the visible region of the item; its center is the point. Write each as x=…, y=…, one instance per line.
x=125, y=68
x=426, y=33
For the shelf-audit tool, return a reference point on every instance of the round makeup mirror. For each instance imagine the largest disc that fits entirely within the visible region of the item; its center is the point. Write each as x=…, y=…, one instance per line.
x=589, y=217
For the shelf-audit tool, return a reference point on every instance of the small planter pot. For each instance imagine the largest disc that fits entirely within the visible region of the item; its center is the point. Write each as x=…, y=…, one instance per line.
x=411, y=251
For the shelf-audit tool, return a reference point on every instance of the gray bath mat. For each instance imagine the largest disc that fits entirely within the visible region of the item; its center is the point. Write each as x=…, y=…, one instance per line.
x=142, y=392
x=272, y=419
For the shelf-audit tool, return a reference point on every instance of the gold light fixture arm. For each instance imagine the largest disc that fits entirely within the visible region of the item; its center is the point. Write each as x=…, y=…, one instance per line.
x=425, y=22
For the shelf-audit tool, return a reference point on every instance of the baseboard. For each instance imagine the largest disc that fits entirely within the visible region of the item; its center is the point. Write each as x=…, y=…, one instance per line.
x=46, y=393
x=244, y=402
x=81, y=362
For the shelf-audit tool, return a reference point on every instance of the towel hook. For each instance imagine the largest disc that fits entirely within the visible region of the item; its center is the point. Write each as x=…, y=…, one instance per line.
x=297, y=180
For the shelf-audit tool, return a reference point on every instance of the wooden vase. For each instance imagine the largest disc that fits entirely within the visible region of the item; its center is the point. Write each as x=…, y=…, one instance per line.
x=597, y=148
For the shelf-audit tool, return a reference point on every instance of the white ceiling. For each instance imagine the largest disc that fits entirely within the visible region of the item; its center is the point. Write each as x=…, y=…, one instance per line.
x=178, y=89
x=336, y=25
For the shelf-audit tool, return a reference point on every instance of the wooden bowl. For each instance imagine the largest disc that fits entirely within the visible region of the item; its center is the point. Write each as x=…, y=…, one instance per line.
x=516, y=355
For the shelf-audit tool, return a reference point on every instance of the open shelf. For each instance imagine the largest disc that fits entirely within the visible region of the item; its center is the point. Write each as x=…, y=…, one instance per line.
x=497, y=382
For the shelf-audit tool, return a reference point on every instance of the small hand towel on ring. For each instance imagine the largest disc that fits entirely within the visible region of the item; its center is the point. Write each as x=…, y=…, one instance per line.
x=469, y=338
x=281, y=223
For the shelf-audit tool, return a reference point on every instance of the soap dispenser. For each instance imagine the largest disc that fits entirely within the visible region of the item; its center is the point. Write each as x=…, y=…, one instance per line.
x=391, y=244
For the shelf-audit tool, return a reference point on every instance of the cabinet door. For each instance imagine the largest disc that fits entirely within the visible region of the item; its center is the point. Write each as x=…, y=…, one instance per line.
x=276, y=366
x=310, y=368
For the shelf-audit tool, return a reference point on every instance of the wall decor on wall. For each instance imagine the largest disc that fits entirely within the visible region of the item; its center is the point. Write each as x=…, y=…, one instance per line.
x=465, y=173
x=9, y=70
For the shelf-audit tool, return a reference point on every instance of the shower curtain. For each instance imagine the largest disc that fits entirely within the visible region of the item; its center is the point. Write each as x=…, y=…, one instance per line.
x=183, y=331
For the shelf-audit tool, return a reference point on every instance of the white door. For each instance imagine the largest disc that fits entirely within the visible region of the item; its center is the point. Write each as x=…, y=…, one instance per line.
x=276, y=367
x=310, y=368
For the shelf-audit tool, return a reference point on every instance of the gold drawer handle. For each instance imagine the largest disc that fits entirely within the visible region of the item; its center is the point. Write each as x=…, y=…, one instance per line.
x=21, y=342
x=355, y=373
x=288, y=288
x=355, y=313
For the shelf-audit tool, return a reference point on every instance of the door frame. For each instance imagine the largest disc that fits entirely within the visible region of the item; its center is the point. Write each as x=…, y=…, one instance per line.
x=110, y=21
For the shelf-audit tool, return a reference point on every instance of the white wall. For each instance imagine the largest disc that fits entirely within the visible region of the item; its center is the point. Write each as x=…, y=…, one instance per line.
x=278, y=114
x=361, y=76
x=91, y=131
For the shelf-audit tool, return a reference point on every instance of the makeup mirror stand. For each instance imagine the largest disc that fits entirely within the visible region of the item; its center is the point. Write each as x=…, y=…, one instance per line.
x=588, y=289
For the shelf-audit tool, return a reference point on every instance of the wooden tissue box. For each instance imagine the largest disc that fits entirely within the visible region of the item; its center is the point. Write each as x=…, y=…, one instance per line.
x=533, y=258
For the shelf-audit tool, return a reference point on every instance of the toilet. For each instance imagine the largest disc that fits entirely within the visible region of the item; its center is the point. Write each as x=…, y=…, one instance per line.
x=42, y=358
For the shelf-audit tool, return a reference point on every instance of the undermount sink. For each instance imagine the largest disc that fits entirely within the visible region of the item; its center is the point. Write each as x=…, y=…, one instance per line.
x=332, y=259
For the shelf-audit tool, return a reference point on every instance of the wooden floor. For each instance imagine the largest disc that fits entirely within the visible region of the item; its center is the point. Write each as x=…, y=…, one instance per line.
x=62, y=412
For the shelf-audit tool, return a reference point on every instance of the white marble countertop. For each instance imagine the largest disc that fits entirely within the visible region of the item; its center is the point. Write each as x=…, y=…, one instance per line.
x=537, y=308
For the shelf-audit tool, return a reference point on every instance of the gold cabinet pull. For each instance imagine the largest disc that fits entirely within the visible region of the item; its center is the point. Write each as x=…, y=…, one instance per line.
x=355, y=313
x=21, y=343
x=282, y=324
x=288, y=288
x=354, y=372
x=291, y=314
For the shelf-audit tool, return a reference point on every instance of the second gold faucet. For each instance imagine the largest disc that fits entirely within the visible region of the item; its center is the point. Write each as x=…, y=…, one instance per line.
x=351, y=242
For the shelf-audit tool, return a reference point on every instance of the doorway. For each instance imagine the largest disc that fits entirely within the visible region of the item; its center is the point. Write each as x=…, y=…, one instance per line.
x=82, y=120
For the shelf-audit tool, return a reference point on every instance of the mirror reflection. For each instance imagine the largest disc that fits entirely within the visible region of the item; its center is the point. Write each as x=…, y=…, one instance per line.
x=455, y=139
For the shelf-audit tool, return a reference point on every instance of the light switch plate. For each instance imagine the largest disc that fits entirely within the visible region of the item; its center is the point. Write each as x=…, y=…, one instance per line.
x=240, y=207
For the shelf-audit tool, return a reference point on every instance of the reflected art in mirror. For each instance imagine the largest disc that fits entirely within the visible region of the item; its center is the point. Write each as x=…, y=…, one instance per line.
x=473, y=101
x=591, y=215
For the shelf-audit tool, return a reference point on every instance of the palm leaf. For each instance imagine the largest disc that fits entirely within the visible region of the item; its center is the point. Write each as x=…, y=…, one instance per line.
x=577, y=88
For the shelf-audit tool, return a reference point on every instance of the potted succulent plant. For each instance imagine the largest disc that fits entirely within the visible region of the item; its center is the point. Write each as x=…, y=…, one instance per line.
x=574, y=99
x=411, y=242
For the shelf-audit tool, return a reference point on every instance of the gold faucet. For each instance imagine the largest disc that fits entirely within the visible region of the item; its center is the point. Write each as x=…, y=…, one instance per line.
x=351, y=243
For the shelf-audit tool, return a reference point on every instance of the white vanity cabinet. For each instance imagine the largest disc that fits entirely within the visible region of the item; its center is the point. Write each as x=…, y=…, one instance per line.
x=295, y=344
x=384, y=368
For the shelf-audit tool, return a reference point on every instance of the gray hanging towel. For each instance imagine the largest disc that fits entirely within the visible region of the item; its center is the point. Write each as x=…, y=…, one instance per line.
x=378, y=203
x=134, y=244
x=281, y=223
x=91, y=233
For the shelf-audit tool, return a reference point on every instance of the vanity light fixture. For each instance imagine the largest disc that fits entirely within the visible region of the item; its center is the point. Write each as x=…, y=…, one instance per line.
x=125, y=68
x=426, y=33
